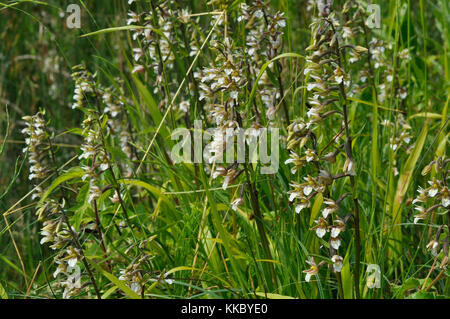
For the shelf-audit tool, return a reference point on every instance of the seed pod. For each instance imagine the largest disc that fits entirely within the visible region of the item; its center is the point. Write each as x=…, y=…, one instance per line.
x=427, y=169
x=361, y=49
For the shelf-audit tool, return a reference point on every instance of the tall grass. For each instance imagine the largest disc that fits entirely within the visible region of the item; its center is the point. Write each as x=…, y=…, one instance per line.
x=100, y=106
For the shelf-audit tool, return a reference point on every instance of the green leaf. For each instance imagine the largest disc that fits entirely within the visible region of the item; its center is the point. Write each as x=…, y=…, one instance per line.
x=316, y=208
x=263, y=69
x=114, y=29
x=185, y=268
x=347, y=280
x=272, y=296
x=425, y=295
x=109, y=292
x=3, y=294
x=5, y=137
x=153, y=109
x=119, y=283
x=152, y=189
x=72, y=173
x=427, y=115
x=402, y=187
x=400, y=290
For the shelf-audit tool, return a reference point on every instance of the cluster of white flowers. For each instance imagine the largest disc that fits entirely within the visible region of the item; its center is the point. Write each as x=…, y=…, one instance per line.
x=433, y=205
x=151, y=44
x=67, y=260
x=84, y=86
x=92, y=148
x=327, y=82
x=226, y=78
x=55, y=230
x=152, y=49
x=403, y=136
x=57, y=233
x=37, y=147
x=118, y=125
x=401, y=139
x=219, y=85
x=132, y=275
x=236, y=68
x=381, y=53
x=263, y=42
x=52, y=68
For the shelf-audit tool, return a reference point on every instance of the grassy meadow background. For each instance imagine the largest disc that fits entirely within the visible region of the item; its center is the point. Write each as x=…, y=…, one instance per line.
x=174, y=232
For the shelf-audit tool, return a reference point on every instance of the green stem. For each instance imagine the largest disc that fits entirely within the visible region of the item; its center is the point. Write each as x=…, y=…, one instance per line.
x=260, y=223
